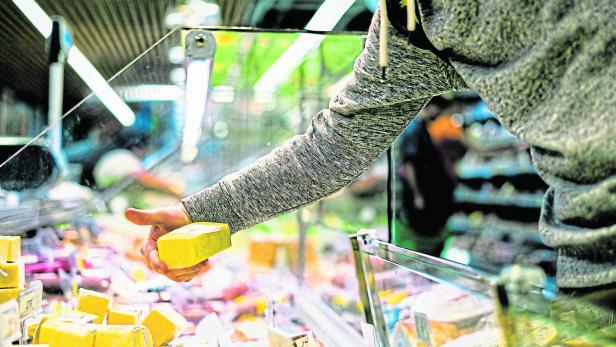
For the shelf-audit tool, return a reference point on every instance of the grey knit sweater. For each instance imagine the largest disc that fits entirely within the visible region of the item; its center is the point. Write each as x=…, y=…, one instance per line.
x=547, y=69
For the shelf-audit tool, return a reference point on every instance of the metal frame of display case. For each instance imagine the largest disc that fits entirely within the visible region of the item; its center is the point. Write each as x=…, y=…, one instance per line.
x=366, y=245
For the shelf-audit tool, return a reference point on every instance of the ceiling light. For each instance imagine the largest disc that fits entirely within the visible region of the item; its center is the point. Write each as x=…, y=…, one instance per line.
x=325, y=19
x=82, y=66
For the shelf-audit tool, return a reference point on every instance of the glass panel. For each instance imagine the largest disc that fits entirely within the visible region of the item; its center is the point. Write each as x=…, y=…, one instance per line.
x=138, y=136
x=421, y=311
x=417, y=298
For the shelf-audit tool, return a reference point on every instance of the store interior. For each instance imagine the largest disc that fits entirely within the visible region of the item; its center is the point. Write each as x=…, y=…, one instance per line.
x=110, y=105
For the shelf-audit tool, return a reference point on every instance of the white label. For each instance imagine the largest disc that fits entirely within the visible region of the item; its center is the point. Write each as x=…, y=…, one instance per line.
x=369, y=335
x=9, y=321
x=422, y=328
x=30, y=299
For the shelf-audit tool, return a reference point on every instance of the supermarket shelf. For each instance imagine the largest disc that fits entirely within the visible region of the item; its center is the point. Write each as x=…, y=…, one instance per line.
x=328, y=325
x=462, y=224
x=483, y=197
x=487, y=171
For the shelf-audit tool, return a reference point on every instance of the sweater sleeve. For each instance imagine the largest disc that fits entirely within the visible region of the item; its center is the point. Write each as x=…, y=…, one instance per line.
x=341, y=142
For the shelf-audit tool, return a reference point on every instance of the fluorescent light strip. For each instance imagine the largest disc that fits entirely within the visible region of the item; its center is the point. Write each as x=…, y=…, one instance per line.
x=197, y=77
x=325, y=19
x=100, y=87
x=82, y=66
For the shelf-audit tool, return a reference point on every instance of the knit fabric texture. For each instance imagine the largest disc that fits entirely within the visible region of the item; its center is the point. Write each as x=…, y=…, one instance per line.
x=545, y=68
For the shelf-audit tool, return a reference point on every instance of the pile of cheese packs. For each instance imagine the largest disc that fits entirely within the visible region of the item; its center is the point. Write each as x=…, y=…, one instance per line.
x=96, y=323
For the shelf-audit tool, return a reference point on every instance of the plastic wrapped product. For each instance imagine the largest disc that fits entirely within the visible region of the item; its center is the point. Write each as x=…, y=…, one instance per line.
x=10, y=248
x=164, y=324
x=93, y=302
x=193, y=243
x=78, y=317
x=7, y=294
x=72, y=335
x=482, y=338
x=46, y=330
x=12, y=276
x=122, y=336
x=122, y=317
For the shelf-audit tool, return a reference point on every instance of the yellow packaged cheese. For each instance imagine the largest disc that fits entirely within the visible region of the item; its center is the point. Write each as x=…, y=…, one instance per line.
x=122, y=317
x=10, y=248
x=7, y=294
x=164, y=324
x=93, y=302
x=46, y=330
x=72, y=335
x=193, y=243
x=12, y=275
x=78, y=317
x=122, y=336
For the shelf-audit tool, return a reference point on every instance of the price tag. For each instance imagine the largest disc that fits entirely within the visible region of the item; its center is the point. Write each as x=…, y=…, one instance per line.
x=30, y=299
x=9, y=321
x=422, y=328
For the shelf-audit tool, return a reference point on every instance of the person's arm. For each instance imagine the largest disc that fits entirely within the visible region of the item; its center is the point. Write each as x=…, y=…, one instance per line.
x=342, y=141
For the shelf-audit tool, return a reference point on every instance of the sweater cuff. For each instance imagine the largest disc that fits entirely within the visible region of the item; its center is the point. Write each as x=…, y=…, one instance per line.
x=211, y=205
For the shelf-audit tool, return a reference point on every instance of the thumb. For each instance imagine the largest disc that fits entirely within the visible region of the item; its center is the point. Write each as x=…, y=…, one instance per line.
x=143, y=217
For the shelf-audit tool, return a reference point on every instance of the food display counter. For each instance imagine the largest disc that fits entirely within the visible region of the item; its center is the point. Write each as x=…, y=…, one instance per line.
x=412, y=299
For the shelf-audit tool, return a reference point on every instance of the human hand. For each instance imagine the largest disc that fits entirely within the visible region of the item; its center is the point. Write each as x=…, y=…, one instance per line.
x=162, y=221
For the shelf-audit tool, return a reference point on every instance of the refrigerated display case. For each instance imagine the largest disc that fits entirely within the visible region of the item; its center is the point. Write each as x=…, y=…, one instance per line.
x=412, y=299
x=196, y=106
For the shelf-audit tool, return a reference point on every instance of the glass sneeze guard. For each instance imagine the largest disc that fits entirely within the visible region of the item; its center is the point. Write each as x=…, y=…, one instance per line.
x=111, y=153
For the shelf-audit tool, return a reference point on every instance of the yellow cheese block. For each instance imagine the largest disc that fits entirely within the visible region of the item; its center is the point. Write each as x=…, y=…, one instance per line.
x=193, y=243
x=122, y=336
x=10, y=248
x=164, y=324
x=7, y=294
x=93, y=302
x=122, y=317
x=46, y=330
x=78, y=317
x=73, y=335
x=14, y=275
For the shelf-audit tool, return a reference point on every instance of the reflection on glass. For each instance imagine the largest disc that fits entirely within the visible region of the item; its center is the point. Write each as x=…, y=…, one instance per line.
x=238, y=124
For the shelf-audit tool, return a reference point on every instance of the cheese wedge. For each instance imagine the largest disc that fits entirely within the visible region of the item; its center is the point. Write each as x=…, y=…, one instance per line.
x=122, y=317
x=122, y=336
x=7, y=294
x=93, y=302
x=164, y=323
x=73, y=335
x=12, y=275
x=10, y=248
x=192, y=244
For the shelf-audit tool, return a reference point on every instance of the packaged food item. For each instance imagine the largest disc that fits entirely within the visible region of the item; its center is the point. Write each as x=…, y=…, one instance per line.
x=164, y=323
x=449, y=312
x=12, y=277
x=193, y=243
x=10, y=248
x=46, y=330
x=7, y=294
x=122, y=336
x=122, y=317
x=483, y=338
x=78, y=317
x=93, y=302
x=72, y=335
